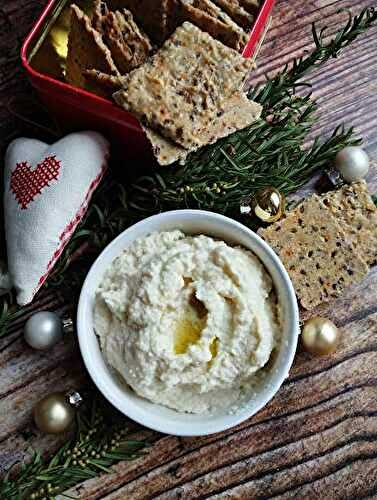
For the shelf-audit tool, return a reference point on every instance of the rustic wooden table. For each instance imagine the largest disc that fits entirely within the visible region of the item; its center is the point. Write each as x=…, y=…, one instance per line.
x=318, y=437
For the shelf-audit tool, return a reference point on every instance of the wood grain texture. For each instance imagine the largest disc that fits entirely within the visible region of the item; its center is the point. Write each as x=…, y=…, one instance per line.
x=318, y=437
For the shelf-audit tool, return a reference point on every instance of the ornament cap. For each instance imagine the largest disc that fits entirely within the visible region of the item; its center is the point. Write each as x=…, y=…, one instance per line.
x=67, y=324
x=74, y=399
x=245, y=206
x=334, y=177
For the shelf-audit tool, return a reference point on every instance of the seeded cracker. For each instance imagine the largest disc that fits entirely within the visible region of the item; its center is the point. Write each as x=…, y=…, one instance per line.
x=113, y=38
x=237, y=13
x=356, y=213
x=136, y=39
x=314, y=249
x=154, y=16
x=165, y=151
x=181, y=89
x=99, y=14
x=128, y=45
x=85, y=50
x=251, y=6
x=104, y=84
x=239, y=113
x=207, y=16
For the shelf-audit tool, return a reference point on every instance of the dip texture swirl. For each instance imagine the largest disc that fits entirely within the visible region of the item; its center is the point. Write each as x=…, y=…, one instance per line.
x=187, y=321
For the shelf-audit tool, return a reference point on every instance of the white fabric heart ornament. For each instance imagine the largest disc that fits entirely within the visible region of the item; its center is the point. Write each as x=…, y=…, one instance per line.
x=47, y=192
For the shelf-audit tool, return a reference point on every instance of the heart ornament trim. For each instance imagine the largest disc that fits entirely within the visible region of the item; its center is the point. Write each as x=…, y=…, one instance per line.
x=47, y=192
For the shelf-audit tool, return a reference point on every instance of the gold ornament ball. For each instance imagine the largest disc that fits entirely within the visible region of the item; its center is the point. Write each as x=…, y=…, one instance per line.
x=268, y=205
x=53, y=414
x=320, y=336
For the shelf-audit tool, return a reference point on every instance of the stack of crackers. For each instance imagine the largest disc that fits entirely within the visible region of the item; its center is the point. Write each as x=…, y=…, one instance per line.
x=175, y=64
x=103, y=48
x=188, y=94
x=327, y=243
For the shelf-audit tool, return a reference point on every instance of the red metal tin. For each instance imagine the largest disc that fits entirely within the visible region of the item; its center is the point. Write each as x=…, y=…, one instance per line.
x=75, y=108
x=258, y=28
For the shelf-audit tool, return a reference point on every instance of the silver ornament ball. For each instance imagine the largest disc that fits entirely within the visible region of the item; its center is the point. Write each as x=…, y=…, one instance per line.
x=352, y=163
x=43, y=330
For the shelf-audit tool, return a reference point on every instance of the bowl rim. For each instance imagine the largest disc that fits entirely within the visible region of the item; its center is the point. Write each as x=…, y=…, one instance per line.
x=139, y=415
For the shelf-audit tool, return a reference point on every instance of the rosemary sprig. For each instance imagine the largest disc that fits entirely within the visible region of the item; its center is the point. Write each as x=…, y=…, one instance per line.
x=280, y=88
x=101, y=440
x=269, y=152
x=265, y=155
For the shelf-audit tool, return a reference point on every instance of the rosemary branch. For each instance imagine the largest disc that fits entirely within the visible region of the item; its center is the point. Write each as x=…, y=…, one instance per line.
x=280, y=88
x=100, y=441
x=269, y=152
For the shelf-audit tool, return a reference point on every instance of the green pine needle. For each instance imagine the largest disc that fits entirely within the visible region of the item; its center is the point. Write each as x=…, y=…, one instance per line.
x=269, y=152
x=95, y=448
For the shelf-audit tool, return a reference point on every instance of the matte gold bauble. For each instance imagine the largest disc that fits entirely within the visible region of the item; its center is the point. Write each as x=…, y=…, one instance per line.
x=268, y=205
x=54, y=414
x=320, y=336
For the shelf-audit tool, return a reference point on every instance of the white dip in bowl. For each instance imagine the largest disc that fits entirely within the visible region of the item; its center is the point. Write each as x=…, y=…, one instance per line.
x=184, y=333
x=187, y=321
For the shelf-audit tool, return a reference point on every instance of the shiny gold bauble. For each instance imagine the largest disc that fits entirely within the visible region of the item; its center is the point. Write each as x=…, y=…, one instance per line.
x=53, y=414
x=268, y=205
x=320, y=336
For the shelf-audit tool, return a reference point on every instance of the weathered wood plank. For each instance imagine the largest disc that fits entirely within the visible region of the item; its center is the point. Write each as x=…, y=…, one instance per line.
x=351, y=469
x=344, y=94
x=293, y=413
x=251, y=455
x=338, y=413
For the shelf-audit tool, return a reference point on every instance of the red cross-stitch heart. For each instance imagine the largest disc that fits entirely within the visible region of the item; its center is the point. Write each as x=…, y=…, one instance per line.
x=26, y=184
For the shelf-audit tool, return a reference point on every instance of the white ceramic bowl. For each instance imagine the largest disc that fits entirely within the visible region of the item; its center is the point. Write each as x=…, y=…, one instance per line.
x=159, y=417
